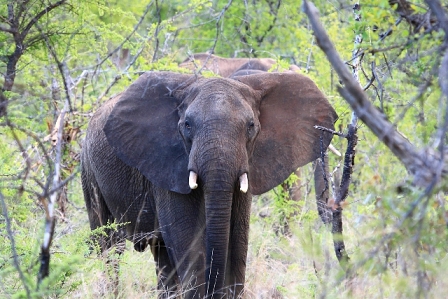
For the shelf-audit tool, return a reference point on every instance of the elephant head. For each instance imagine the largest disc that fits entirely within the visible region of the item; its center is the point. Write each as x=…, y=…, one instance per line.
x=223, y=139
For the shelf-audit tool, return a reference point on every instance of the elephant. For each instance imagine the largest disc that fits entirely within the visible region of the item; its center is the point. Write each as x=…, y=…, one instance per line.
x=175, y=159
x=226, y=67
x=234, y=67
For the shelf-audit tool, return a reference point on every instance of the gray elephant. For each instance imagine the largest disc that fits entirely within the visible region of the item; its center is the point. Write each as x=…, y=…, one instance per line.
x=177, y=157
x=234, y=67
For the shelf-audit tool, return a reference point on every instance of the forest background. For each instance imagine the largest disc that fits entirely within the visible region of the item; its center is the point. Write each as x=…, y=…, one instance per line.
x=60, y=60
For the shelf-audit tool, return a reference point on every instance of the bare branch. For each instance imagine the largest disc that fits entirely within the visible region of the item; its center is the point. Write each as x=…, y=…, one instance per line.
x=380, y=85
x=389, y=31
x=367, y=86
x=341, y=192
x=4, y=19
x=119, y=76
x=49, y=207
x=340, y=134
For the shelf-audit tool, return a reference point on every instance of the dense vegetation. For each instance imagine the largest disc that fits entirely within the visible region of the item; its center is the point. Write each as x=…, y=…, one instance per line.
x=60, y=60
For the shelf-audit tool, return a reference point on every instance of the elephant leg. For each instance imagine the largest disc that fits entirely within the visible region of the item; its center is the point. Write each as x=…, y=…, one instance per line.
x=182, y=224
x=239, y=240
x=167, y=280
x=99, y=214
x=322, y=189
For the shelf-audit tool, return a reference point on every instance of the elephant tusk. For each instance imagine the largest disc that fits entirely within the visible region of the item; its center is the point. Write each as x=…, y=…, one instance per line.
x=244, y=183
x=334, y=150
x=192, y=180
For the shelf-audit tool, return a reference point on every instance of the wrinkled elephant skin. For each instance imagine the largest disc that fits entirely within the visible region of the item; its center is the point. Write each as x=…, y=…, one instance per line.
x=177, y=157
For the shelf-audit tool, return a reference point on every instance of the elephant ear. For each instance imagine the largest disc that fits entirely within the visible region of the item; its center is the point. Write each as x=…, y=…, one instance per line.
x=290, y=106
x=142, y=129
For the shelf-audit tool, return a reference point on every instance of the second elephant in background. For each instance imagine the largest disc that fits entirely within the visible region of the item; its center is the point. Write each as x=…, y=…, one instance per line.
x=226, y=67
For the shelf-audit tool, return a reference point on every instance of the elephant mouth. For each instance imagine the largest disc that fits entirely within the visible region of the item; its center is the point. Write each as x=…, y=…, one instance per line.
x=244, y=182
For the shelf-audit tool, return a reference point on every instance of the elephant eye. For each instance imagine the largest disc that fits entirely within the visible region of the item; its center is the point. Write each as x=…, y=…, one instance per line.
x=250, y=128
x=187, y=125
x=251, y=125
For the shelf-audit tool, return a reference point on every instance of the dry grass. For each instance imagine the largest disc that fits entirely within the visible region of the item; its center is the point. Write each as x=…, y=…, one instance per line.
x=301, y=265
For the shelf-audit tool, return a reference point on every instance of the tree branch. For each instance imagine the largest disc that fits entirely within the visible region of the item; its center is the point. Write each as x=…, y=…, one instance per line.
x=49, y=207
x=416, y=20
x=438, y=10
x=274, y=12
x=156, y=32
x=37, y=17
x=218, y=21
x=8, y=30
x=421, y=165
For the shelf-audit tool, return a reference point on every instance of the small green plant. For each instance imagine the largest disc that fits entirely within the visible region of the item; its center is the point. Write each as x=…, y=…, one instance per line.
x=284, y=209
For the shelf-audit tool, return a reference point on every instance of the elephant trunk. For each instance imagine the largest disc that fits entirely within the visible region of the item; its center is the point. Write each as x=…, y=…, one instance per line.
x=218, y=214
x=220, y=181
x=220, y=170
